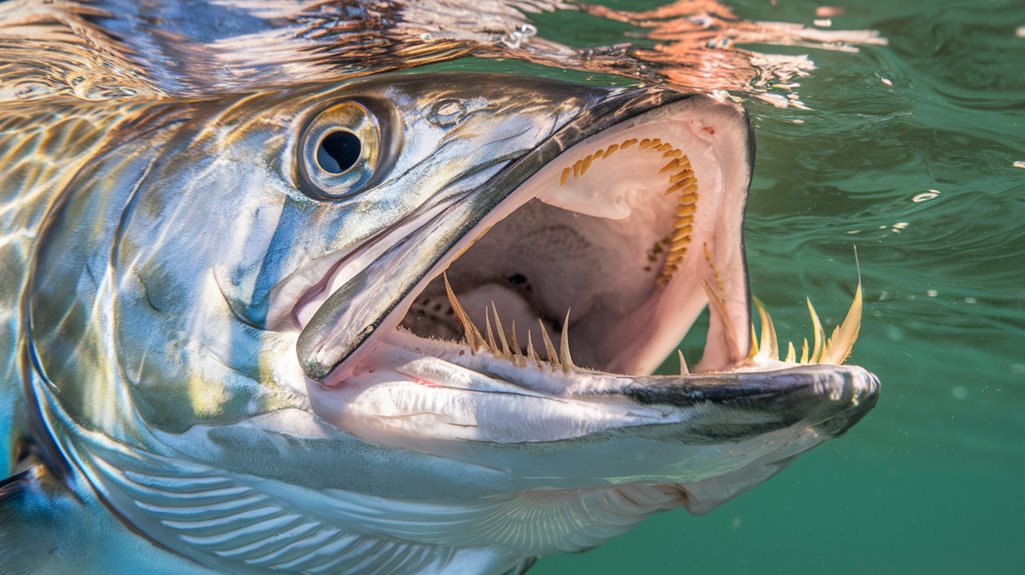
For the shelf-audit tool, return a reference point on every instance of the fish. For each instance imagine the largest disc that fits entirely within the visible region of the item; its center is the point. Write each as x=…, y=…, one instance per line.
x=404, y=322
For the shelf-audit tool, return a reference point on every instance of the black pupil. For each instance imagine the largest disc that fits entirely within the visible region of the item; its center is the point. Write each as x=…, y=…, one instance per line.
x=338, y=152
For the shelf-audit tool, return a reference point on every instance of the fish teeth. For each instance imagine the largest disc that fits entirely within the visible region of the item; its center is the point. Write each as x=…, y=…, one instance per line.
x=841, y=343
x=531, y=354
x=769, y=344
x=817, y=334
x=682, y=183
x=501, y=333
x=684, y=370
x=566, y=359
x=487, y=330
x=518, y=358
x=833, y=351
x=504, y=344
x=470, y=333
x=553, y=356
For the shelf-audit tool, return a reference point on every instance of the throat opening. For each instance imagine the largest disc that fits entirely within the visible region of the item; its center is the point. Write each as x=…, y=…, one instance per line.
x=606, y=230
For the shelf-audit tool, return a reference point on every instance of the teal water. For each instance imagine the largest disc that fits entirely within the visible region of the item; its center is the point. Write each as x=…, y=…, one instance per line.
x=931, y=481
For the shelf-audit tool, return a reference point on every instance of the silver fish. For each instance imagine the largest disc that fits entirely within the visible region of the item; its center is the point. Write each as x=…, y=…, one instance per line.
x=395, y=324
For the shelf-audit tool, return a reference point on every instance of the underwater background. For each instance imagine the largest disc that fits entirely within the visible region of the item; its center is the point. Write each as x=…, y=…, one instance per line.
x=914, y=152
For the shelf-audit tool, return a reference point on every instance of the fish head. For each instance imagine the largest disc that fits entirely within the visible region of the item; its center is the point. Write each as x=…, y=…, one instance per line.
x=425, y=309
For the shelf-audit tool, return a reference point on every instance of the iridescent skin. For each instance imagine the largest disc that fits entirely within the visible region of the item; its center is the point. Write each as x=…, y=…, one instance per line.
x=151, y=239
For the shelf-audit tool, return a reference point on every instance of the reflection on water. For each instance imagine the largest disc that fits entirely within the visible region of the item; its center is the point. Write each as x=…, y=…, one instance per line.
x=120, y=48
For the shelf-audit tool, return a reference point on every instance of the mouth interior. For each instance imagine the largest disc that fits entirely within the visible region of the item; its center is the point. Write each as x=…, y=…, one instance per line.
x=625, y=236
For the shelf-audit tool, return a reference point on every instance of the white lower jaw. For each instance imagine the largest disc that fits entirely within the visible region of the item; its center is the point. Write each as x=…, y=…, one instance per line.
x=410, y=387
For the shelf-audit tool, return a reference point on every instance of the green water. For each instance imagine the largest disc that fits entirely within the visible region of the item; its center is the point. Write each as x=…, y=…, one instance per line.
x=930, y=482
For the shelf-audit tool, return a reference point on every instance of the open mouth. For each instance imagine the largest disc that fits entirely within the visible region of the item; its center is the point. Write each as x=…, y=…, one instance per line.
x=614, y=249
x=580, y=281
x=608, y=252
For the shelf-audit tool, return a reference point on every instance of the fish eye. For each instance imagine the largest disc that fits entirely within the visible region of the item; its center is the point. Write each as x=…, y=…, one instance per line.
x=339, y=152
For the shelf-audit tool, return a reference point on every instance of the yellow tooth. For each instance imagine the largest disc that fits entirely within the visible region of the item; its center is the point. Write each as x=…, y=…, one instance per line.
x=674, y=153
x=576, y=169
x=804, y=351
x=684, y=370
x=715, y=272
x=587, y=164
x=686, y=210
x=840, y=345
x=679, y=247
x=683, y=225
x=566, y=172
x=470, y=334
x=531, y=354
x=627, y=143
x=645, y=143
x=487, y=331
x=816, y=325
x=512, y=340
x=501, y=332
x=567, y=360
x=768, y=342
x=751, y=353
x=791, y=354
x=665, y=147
x=610, y=151
x=684, y=187
x=553, y=357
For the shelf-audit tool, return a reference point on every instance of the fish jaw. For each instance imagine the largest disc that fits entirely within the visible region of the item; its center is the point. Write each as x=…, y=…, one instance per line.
x=707, y=437
x=479, y=383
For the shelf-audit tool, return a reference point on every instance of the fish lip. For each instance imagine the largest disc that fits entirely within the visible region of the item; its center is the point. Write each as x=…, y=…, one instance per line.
x=320, y=348
x=830, y=398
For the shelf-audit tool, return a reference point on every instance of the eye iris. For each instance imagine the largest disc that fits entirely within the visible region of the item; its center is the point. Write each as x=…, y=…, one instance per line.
x=338, y=152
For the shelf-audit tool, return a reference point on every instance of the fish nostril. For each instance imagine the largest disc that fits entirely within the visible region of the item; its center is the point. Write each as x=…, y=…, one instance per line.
x=339, y=151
